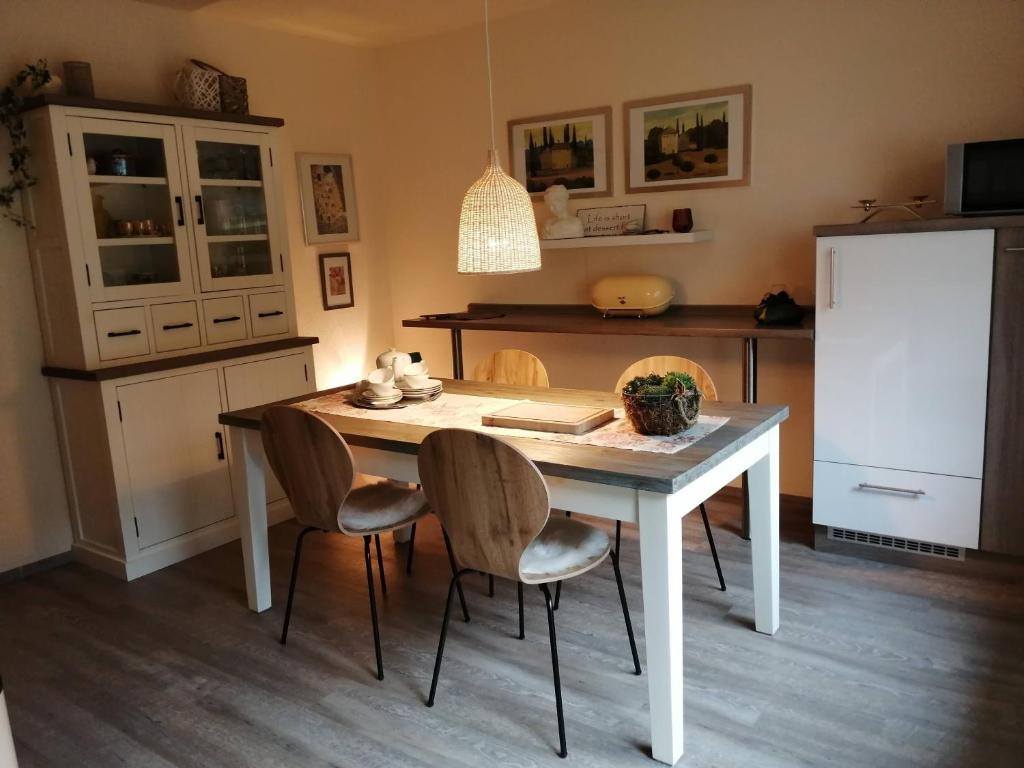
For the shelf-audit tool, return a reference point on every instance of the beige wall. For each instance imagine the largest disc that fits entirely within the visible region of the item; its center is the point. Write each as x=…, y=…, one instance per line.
x=850, y=100
x=328, y=96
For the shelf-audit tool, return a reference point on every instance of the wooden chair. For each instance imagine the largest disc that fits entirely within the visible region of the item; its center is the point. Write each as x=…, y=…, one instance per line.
x=494, y=506
x=515, y=367
x=512, y=366
x=662, y=365
x=314, y=466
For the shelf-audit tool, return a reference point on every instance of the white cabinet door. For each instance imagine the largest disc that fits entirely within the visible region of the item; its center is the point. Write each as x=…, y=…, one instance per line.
x=266, y=381
x=131, y=208
x=901, y=350
x=175, y=451
x=239, y=240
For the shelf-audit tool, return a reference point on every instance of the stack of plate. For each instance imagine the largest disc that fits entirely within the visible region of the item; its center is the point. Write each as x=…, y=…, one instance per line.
x=373, y=400
x=427, y=392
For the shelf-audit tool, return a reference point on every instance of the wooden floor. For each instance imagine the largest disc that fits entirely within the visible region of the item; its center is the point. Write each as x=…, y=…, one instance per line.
x=875, y=665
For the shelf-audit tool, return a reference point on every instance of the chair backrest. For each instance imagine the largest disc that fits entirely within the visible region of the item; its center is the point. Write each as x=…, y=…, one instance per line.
x=662, y=364
x=512, y=366
x=490, y=498
x=311, y=461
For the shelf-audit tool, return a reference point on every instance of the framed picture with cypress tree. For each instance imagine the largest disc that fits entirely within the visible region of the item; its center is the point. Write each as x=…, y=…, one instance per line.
x=569, y=148
x=688, y=140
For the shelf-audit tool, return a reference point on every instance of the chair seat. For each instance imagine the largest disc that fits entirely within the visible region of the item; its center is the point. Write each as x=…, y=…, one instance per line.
x=565, y=548
x=381, y=507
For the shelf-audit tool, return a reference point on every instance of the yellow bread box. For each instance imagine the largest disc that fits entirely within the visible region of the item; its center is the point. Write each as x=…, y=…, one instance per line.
x=633, y=295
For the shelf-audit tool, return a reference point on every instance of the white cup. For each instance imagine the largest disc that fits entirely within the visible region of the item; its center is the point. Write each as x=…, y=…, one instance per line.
x=382, y=381
x=415, y=380
x=415, y=369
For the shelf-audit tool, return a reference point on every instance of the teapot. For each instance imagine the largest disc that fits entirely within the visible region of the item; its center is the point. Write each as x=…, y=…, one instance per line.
x=394, y=360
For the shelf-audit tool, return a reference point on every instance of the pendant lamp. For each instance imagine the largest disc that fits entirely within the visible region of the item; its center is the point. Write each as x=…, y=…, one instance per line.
x=497, y=230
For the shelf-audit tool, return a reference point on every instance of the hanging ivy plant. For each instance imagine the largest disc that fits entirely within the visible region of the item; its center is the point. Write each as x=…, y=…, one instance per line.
x=12, y=100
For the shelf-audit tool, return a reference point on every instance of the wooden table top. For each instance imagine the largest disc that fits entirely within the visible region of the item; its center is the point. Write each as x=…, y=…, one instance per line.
x=661, y=473
x=702, y=320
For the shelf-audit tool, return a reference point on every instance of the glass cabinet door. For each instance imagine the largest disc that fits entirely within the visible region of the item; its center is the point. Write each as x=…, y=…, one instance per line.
x=131, y=208
x=230, y=179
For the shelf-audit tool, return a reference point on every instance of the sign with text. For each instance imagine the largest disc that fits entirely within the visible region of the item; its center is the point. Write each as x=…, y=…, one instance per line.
x=613, y=220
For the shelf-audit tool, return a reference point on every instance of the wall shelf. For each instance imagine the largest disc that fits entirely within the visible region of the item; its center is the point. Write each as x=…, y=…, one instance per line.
x=669, y=238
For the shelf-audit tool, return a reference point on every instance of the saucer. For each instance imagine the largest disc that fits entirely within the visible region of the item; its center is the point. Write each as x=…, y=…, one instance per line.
x=432, y=385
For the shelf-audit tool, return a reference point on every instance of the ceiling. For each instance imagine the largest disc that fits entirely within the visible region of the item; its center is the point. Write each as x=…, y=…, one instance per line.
x=371, y=23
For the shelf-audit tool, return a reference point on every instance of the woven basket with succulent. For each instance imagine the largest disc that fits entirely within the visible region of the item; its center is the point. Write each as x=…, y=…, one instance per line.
x=662, y=405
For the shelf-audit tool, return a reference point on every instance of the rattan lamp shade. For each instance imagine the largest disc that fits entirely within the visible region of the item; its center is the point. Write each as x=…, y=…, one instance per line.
x=497, y=230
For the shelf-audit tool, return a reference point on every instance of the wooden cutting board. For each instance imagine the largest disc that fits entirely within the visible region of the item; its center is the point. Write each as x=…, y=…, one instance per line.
x=550, y=417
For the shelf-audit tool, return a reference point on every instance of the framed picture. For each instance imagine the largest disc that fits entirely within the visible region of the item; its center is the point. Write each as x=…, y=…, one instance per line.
x=689, y=140
x=571, y=148
x=612, y=220
x=336, y=280
x=328, y=192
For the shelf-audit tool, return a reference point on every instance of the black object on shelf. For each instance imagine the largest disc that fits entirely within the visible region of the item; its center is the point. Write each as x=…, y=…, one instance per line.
x=778, y=309
x=463, y=316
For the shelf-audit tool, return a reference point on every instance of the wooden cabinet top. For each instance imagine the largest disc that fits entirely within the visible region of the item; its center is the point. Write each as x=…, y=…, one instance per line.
x=944, y=224
x=60, y=100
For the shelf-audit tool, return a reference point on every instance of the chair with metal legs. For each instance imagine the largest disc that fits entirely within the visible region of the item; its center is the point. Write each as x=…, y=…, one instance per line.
x=494, y=506
x=662, y=365
x=314, y=466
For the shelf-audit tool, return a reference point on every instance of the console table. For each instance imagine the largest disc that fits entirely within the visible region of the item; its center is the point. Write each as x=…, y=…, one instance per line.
x=730, y=321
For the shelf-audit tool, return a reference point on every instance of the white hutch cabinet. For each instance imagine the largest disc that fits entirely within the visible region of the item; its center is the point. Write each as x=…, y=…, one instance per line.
x=164, y=290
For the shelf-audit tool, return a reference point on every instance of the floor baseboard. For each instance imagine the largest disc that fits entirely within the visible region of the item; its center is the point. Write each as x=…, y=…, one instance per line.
x=24, y=571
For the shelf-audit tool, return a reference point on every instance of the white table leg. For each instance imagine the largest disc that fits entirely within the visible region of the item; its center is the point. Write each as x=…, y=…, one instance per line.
x=250, y=498
x=763, y=481
x=661, y=559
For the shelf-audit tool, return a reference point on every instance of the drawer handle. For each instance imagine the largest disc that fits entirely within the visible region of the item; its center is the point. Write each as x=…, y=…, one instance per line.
x=889, y=489
x=275, y=313
x=176, y=326
x=115, y=334
x=231, y=319
x=1014, y=249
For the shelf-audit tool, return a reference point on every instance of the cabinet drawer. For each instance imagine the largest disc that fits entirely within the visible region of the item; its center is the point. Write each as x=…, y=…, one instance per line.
x=225, y=319
x=121, y=332
x=268, y=313
x=175, y=326
x=947, y=512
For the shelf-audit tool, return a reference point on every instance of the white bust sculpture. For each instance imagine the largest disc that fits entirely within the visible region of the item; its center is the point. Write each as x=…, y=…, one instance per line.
x=561, y=225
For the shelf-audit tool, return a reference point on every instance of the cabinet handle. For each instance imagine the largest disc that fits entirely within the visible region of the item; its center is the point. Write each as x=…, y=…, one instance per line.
x=115, y=334
x=231, y=319
x=1013, y=249
x=181, y=210
x=832, y=278
x=199, y=208
x=889, y=489
x=220, y=445
x=275, y=313
x=176, y=326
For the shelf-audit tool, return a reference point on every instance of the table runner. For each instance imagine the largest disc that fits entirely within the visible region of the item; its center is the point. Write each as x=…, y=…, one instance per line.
x=464, y=411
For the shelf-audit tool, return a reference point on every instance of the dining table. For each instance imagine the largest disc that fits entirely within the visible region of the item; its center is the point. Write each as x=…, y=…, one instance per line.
x=607, y=478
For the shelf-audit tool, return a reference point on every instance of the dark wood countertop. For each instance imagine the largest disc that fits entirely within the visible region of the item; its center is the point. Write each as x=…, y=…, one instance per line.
x=170, y=110
x=707, y=320
x=657, y=472
x=944, y=224
x=181, y=361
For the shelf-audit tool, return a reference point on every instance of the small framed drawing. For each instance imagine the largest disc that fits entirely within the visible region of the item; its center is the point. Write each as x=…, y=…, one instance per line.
x=336, y=280
x=689, y=140
x=328, y=192
x=570, y=148
x=613, y=220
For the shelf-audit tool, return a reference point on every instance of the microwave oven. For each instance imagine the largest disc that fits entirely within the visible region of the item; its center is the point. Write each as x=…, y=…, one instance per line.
x=985, y=177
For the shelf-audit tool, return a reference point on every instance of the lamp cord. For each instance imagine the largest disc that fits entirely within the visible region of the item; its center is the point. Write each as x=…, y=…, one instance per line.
x=490, y=82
